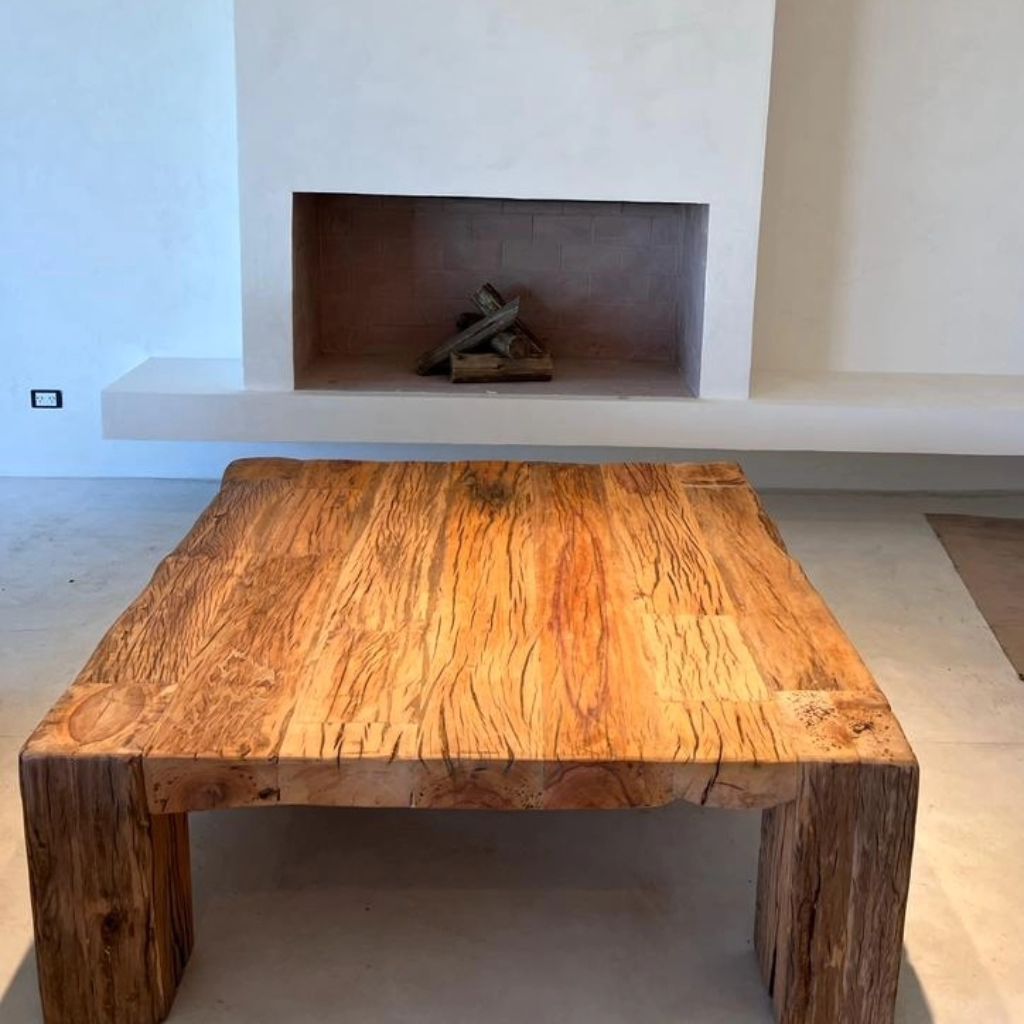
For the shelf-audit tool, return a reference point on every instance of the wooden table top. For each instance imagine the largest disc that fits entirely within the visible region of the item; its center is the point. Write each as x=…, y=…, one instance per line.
x=506, y=635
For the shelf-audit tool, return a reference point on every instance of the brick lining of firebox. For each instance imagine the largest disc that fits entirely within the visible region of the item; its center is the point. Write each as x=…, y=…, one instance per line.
x=385, y=276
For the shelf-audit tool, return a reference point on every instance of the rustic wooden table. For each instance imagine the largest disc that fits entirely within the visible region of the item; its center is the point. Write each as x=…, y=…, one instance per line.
x=476, y=635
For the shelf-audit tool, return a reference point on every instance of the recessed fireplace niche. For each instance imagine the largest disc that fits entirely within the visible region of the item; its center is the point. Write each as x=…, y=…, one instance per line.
x=615, y=290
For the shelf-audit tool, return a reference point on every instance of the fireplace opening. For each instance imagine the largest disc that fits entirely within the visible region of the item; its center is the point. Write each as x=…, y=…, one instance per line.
x=614, y=289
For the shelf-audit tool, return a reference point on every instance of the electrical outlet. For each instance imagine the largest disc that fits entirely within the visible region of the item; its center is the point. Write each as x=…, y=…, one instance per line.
x=47, y=398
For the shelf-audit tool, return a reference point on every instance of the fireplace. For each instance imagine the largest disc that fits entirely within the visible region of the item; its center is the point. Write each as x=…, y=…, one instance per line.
x=614, y=289
x=392, y=158
x=602, y=160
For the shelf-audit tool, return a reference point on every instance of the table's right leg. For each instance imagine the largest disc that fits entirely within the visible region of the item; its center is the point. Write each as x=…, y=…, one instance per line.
x=832, y=891
x=111, y=891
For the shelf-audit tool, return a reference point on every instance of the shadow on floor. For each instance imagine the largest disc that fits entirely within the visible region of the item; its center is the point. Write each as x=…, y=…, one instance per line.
x=642, y=917
x=20, y=1003
x=911, y=1003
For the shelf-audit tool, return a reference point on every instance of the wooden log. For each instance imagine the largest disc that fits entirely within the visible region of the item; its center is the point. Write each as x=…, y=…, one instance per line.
x=486, y=328
x=512, y=344
x=489, y=299
x=111, y=893
x=491, y=368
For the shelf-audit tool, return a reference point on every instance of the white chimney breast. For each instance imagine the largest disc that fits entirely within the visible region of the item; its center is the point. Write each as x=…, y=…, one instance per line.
x=629, y=100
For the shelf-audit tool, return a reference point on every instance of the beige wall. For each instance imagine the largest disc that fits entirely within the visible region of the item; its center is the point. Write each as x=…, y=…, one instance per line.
x=893, y=230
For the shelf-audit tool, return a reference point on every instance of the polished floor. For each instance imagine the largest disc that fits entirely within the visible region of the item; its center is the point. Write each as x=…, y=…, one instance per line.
x=645, y=917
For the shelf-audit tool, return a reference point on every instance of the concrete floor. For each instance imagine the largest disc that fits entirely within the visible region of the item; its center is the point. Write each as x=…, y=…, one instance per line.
x=641, y=917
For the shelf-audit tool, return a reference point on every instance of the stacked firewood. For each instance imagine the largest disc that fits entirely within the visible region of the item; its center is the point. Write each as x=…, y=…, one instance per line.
x=492, y=345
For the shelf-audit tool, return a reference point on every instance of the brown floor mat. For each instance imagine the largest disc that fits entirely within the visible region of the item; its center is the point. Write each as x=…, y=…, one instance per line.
x=989, y=555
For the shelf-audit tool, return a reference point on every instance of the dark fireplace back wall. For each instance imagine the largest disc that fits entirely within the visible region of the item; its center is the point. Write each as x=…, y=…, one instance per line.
x=387, y=275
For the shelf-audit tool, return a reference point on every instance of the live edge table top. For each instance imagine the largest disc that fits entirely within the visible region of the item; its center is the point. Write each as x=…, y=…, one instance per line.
x=475, y=634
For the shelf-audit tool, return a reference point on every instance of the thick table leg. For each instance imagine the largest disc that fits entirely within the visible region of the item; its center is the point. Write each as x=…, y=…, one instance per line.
x=111, y=891
x=832, y=892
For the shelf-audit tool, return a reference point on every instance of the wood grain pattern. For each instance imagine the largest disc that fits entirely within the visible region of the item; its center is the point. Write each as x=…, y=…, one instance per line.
x=791, y=633
x=835, y=863
x=479, y=635
x=494, y=367
x=111, y=893
x=341, y=633
x=832, y=893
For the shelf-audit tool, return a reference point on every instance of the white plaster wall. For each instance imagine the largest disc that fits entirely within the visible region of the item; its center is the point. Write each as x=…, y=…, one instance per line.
x=644, y=100
x=119, y=221
x=118, y=215
x=893, y=230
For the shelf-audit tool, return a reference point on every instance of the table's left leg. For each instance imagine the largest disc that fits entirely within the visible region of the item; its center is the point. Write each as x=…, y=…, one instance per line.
x=832, y=891
x=111, y=891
